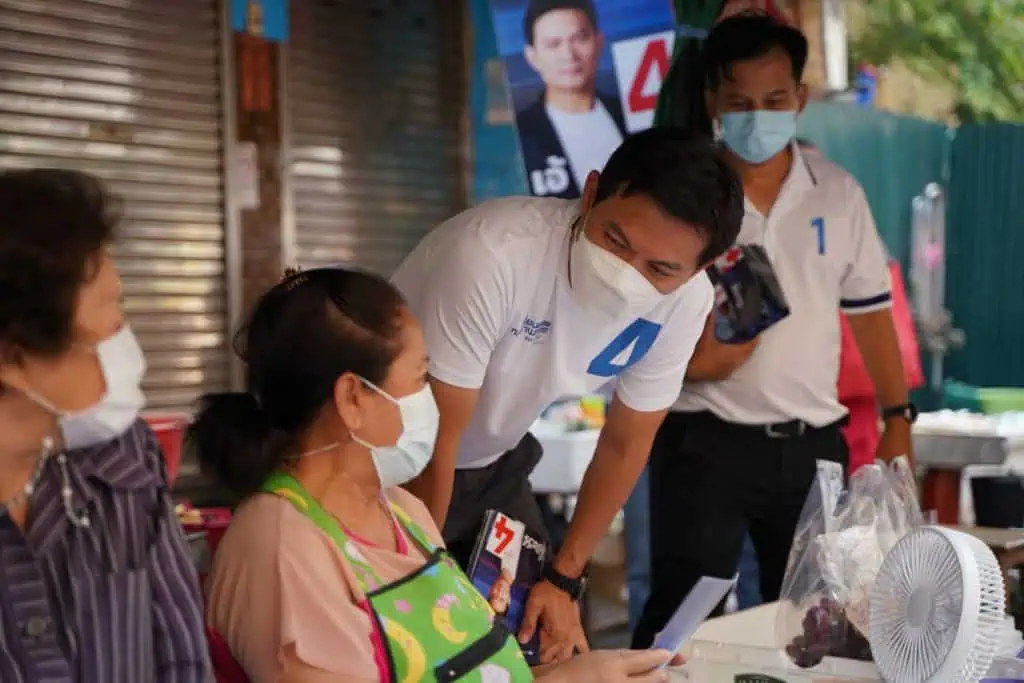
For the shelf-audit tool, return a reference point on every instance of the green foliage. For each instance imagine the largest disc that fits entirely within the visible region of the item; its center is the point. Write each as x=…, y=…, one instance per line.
x=975, y=45
x=700, y=13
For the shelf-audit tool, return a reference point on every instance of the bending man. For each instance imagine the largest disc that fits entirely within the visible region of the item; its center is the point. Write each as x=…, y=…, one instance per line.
x=527, y=300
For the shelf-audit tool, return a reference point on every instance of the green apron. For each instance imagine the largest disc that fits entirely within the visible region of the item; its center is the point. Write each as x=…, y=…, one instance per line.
x=431, y=625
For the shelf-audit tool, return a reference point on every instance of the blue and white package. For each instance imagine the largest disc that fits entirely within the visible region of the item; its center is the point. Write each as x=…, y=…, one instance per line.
x=748, y=296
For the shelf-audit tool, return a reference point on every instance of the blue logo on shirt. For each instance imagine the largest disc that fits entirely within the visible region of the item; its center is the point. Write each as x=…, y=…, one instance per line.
x=630, y=346
x=533, y=331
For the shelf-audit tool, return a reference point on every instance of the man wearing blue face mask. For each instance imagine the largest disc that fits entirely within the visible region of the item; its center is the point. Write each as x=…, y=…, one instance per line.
x=737, y=453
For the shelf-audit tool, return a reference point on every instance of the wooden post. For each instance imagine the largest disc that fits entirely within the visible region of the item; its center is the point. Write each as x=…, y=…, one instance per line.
x=254, y=155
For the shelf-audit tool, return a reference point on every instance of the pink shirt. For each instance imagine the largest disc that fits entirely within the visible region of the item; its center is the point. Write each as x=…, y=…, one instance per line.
x=279, y=593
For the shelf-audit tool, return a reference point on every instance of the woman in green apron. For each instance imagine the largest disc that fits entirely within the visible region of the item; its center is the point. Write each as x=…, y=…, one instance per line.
x=329, y=571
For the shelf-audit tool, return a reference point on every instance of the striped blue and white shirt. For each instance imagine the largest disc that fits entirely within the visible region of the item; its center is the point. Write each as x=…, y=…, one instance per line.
x=116, y=601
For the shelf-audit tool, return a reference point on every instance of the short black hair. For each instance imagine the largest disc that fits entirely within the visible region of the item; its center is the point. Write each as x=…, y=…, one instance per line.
x=302, y=336
x=686, y=175
x=538, y=8
x=750, y=35
x=54, y=225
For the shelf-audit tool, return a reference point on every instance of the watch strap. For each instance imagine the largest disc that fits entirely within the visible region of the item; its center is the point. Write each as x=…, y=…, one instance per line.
x=572, y=587
x=908, y=411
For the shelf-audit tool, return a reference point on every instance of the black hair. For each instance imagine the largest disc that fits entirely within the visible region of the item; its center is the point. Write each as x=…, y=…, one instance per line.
x=302, y=336
x=538, y=8
x=54, y=225
x=750, y=35
x=686, y=175
x=704, y=62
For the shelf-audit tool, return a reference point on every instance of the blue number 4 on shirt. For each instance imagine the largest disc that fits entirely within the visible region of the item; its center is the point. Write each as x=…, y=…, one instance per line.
x=630, y=346
x=819, y=227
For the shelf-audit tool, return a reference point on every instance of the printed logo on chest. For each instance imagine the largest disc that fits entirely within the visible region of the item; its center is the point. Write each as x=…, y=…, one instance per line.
x=532, y=331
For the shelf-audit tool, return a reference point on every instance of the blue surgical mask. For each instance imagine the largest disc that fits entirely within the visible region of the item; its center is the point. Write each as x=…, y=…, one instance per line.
x=411, y=453
x=409, y=456
x=123, y=366
x=756, y=136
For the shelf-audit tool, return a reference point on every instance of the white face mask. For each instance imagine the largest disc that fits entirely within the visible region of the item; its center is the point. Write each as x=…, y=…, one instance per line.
x=602, y=281
x=123, y=365
x=403, y=462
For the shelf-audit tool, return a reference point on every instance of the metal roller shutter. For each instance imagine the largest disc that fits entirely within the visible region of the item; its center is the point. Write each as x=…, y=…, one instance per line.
x=375, y=94
x=130, y=91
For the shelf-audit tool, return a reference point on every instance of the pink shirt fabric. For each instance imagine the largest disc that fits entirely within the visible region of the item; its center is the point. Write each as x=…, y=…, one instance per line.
x=280, y=595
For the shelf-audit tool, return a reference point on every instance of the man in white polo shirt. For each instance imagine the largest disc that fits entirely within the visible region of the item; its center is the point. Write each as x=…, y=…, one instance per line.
x=527, y=300
x=738, y=451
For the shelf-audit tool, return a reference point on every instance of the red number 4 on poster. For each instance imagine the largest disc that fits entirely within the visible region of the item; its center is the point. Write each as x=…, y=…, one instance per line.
x=641, y=65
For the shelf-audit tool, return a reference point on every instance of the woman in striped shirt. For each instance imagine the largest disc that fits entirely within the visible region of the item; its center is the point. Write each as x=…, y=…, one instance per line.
x=96, y=584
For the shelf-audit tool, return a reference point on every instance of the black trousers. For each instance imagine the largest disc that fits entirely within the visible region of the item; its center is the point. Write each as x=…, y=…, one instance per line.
x=712, y=481
x=504, y=485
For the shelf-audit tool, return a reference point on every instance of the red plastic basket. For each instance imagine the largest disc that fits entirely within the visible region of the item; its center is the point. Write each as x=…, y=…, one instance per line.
x=169, y=430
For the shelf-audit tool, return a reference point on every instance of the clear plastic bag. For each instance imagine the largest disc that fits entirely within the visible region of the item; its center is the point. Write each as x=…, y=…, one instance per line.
x=840, y=542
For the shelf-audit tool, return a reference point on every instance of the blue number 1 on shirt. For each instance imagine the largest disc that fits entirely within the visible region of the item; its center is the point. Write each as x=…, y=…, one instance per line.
x=819, y=226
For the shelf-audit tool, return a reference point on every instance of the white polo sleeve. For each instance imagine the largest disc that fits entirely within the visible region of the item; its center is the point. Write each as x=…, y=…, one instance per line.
x=459, y=292
x=866, y=285
x=655, y=381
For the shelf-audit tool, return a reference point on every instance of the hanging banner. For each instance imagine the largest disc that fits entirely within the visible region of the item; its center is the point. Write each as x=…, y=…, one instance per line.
x=676, y=103
x=582, y=75
x=267, y=19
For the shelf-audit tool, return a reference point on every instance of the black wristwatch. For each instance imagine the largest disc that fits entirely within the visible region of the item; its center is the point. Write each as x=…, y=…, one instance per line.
x=574, y=588
x=907, y=411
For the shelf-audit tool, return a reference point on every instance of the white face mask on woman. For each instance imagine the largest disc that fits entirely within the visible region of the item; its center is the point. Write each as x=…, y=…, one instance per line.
x=602, y=281
x=403, y=462
x=123, y=366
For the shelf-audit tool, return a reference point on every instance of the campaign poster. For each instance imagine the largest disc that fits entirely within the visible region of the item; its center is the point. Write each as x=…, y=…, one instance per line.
x=582, y=75
x=507, y=562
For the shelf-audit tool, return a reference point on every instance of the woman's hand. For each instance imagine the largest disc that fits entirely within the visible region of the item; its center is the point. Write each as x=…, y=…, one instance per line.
x=610, y=666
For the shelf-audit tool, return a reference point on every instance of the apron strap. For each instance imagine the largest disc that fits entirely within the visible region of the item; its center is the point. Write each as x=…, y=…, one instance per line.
x=363, y=578
x=414, y=530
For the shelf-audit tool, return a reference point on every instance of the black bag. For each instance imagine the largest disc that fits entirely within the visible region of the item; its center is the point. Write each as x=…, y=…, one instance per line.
x=748, y=296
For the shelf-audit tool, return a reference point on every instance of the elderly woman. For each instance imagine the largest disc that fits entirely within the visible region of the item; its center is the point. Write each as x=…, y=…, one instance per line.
x=95, y=576
x=330, y=573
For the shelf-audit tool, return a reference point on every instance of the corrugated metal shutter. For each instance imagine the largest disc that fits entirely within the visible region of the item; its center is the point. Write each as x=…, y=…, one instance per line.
x=130, y=91
x=375, y=97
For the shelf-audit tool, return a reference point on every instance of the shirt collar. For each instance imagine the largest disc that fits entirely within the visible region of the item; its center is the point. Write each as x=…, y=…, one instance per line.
x=801, y=175
x=131, y=462
x=800, y=180
x=123, y=463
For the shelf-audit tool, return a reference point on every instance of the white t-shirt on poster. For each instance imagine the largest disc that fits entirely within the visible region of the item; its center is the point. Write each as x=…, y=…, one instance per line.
x=490, y=289
x=588, y=138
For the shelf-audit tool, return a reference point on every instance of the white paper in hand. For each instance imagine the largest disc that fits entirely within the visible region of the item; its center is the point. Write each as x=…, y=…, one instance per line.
x=693, y=610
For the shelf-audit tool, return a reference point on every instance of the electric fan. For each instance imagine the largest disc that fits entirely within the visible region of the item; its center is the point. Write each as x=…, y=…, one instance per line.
x=937, y=611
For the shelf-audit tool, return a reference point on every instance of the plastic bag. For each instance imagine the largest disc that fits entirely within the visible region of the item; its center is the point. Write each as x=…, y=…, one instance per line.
x=841, y=540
